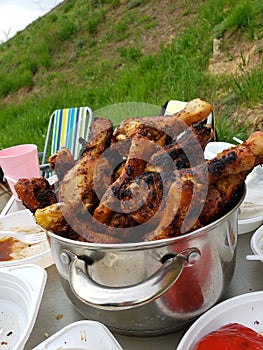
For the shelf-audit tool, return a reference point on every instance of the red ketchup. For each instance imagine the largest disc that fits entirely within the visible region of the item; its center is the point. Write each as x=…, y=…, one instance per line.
x=233, y=336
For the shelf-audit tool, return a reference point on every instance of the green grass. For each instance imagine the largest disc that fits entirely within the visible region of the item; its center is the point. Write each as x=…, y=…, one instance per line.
x=79, y=55
x=242, y=16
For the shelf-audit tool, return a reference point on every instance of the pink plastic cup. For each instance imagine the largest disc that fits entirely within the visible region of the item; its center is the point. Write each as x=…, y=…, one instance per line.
x=19, y=162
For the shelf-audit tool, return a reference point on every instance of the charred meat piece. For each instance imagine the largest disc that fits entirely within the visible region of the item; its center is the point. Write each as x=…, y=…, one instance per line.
x=234, y=160
x=182, y=206
x=255, y=144
x=238, y=158
x=143, y=197
x=35, y=193
x=222, y=196
x=99, y=138
x=185, y=152
x=76, y=190
x=231, y=161
x=194, y=210
x=61, y=162
x=52, y=219
x=202, y=132
x=140, y=151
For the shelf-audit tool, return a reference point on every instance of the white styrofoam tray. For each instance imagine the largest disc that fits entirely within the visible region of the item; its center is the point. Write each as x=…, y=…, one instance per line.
x=81, y=335
x=21, y=291
x=246, y=309
x=24, y=219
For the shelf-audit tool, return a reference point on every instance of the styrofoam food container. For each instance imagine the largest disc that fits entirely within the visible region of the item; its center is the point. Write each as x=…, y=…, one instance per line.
x=256, y=242
x=24, y=219
x=21, y=290
x=246, y=309
x=81, y=335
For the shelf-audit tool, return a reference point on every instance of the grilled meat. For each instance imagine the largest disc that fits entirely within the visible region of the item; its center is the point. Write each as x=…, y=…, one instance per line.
x=255, y=144
x=185, y=152
x=172, y=203
x=143, y=198
x=222, y=196
x=142, y=158
x=148, y=180
x=163, y=129
x=191, y=205
x=187, y=204
x=76, y=190
x=231, y=161
x=218, y=184
x=140, y=151
x=35, y=193
x=61, y=162
x=99, y=138
x=52, y=219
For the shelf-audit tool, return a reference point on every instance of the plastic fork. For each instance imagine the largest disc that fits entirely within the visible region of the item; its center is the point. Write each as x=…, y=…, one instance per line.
x=24, y=237
x=254, y=257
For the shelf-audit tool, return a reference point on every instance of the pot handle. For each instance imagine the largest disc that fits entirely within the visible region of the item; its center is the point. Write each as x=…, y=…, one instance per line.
x=120, y=298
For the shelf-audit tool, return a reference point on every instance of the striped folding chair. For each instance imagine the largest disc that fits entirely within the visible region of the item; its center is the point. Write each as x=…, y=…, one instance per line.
x=65, y=128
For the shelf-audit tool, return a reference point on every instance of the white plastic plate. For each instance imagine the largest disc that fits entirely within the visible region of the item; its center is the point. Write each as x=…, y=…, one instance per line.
x=246, y=309
x=21, y=290
x=81, y=335
x=249, y=225
x=40, y=253
x=256, y=242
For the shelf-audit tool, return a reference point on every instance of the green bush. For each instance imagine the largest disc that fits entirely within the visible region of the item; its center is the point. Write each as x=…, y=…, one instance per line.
x=240, y=17
x=53, y=17
x=94, y=20
x=15, y=80
x=66, y=29
x=68, y=7
x=130, y=53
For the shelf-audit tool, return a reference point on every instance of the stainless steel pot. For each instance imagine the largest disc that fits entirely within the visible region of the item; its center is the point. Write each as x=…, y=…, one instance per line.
x=149, y=288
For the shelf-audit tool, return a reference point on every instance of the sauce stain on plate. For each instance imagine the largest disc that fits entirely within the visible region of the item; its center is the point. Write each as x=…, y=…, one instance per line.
x=6, y=246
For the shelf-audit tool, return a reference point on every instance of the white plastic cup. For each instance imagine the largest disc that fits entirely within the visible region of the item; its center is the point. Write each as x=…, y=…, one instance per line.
x=19, y=162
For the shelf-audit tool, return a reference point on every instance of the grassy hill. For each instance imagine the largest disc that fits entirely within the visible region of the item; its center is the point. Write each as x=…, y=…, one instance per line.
x=98, y=53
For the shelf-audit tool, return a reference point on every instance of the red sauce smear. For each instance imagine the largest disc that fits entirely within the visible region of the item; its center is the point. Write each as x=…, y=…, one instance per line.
x=233, y=336
x=6, y=249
